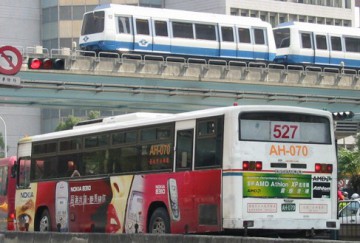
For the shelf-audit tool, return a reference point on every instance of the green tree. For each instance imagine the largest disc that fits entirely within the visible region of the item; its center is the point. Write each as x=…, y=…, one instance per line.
x=71, y=121
x=349, y=166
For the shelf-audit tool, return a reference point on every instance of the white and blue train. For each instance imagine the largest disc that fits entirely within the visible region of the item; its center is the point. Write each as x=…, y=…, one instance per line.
x=132, y=29
x=316, y=44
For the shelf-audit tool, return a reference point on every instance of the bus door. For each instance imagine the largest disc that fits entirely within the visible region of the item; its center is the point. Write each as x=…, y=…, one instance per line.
x=143, y=41
x=184, y=157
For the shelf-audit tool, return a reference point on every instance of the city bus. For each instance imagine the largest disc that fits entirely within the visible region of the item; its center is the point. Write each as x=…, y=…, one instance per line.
x=227, y=169
x=7, y=194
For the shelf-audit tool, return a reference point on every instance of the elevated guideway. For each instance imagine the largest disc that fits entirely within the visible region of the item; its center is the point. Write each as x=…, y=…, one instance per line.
x=132, y=82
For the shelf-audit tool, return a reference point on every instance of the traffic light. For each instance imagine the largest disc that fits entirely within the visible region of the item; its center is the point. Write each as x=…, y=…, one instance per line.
x=342, y=115
x=46, y=63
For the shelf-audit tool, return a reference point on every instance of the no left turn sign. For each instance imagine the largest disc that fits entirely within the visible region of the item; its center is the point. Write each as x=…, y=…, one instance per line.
x=10, y=60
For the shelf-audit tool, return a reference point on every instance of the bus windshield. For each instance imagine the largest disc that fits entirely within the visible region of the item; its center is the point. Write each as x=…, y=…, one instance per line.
x=284, y=127
x=93, y=23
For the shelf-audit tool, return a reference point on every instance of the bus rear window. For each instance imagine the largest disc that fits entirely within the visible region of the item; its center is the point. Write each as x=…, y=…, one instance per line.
x=284, y=127
x=93, y=23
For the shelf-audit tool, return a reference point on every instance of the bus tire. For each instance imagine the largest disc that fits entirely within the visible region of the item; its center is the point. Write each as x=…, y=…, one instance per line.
x=159, y=222
x=44, y=223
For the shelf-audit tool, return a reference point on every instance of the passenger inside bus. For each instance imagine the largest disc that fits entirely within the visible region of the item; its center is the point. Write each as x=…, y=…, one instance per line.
x=72, y=170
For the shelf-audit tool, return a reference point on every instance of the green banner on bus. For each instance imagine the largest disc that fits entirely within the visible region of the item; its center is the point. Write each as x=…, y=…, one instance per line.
x=277, y=185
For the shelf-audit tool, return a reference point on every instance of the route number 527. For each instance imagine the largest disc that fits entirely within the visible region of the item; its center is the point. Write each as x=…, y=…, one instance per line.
x=285, y=131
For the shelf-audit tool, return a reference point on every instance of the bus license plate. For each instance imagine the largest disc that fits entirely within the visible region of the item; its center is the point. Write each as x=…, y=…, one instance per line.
x=288, y=207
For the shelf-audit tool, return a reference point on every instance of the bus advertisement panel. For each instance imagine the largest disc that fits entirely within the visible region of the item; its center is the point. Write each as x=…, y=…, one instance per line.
x=235, y=168
x=7, y=194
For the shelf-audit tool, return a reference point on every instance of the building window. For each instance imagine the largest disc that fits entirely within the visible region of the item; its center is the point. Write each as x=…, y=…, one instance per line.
x=78, y=12
x=65, y=13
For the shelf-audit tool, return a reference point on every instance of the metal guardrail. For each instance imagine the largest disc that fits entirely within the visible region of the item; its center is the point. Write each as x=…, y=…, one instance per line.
x=349, y=217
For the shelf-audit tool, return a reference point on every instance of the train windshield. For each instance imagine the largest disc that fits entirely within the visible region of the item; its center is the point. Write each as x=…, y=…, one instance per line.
x=93, y=23
x=282, y=37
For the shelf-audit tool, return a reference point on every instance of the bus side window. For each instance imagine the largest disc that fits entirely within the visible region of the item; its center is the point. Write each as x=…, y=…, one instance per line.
x=24, y=172
x=184, y=149
x=209, y=142
x=3, y=180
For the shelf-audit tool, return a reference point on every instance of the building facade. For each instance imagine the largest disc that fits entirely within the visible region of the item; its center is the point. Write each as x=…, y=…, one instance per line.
x=331, y=12
x=61, y=19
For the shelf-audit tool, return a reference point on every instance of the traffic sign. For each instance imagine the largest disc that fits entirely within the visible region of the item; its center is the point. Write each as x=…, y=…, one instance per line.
x=7, y=80
x=10, y=60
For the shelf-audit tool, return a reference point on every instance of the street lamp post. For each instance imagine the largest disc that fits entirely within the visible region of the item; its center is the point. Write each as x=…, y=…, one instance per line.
x=5, y=137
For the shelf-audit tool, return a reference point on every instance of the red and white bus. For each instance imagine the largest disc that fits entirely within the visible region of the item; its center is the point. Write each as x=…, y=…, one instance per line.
x=7, y=194
x=236, y=168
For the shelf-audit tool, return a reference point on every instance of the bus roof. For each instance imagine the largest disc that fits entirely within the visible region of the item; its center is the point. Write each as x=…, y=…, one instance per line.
x=145, y=119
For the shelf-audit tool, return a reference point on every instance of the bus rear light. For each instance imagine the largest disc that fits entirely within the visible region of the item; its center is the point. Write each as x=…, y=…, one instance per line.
x=323, y=168
x=246, y=165
x=252, y=165
x=258, y=165
x=10, y=222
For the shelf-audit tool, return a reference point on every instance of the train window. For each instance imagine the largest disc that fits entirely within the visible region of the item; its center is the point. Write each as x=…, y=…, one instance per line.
x=282, y=38
x=161, y=28
x=124, y=25
x=227, y=34
x=93, y=23
x=336, y=43
x=321, y=42
x=306, y=40
x=259, y=36
x=352, y=44
x=205, y=32
x=183, y=30
x=244, y=35
x=142, y=27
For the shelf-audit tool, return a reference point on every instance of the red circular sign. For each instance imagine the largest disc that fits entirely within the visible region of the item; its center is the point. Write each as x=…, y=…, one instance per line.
x=10, y=60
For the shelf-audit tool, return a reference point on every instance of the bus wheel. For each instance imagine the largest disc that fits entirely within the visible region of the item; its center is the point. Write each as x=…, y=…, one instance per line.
x=44, y=222
x=159, y=222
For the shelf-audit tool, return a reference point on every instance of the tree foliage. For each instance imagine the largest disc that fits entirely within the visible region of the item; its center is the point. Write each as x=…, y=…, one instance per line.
x=71, y=121
x=349, y=166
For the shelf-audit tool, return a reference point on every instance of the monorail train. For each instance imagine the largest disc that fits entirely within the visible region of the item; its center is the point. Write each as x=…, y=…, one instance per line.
x=125, y=29
x=317, y=44
x=132, y=29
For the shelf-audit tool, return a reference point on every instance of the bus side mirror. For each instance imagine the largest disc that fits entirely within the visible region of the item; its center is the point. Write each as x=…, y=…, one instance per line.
x=13, y=170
